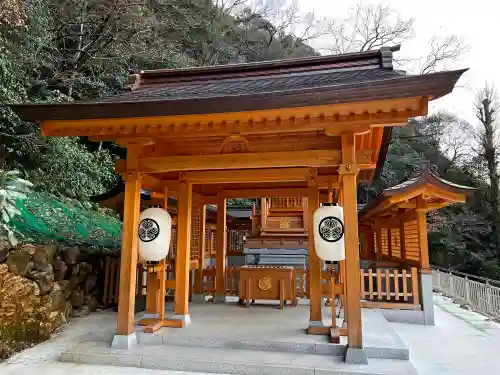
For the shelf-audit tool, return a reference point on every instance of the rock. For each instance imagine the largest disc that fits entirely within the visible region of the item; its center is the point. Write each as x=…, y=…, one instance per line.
x=71, y=254
x=28, y=248
x=84, y=269
x=81, y=312
x=60, y=320
x=90, y=302
x=4, y=268
x=65, y=288
x=75, y=269
x=19, y=262
x=75, y=281
x=60, y=269
x=44, y=279
x=76, y=298
x=68, y=311
x=44, y=255
x=4, y=253
x=57, y=299
x=90, y=284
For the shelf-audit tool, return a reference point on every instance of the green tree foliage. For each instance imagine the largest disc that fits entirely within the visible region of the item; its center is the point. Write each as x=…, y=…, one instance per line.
x=461, y=235
x=12, y=190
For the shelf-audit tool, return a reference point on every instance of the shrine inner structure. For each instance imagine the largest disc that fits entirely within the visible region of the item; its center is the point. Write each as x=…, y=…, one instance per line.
x=310, y=129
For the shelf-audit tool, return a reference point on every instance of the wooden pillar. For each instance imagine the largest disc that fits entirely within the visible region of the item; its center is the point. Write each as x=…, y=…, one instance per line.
x=402, y=238
x=220, y=254
x=330, y=192
x=422, y=233
x=152, y=288
x=263, y=214
x=128, y=261
x=183, y=251
x=348, y=171
x=201, y=248
x=314, y=271
x=378, y=229
x=305, y=214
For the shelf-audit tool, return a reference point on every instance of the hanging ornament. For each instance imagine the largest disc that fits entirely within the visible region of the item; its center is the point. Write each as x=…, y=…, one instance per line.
x=155, y=228
x=329, y=232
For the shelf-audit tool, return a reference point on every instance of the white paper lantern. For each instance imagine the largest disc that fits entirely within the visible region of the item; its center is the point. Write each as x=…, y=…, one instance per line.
x=329, y=232
x=155, y=228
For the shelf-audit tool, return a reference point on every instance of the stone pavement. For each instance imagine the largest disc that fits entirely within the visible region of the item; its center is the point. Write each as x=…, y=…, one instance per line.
x=462, y=342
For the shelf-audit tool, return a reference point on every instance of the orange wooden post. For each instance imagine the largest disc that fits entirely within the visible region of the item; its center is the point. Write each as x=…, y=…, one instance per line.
x=314, y=271
x=263, y=214
x=422, y=232
x=183, y=252
x=305, y=214
x=128, y=263
x=152, y=288
x=201, y=254
x=162, y=270
x=220, y=255
x=349, y=170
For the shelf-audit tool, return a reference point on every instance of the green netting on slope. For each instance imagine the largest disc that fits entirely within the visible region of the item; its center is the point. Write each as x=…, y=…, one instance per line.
x=46, y=219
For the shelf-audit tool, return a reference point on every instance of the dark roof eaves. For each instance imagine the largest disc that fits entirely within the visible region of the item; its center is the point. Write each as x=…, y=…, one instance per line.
x=436, y=84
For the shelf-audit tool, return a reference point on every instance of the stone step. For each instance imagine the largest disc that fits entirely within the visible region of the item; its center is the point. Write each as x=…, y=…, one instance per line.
x=288, y=347
x=227, y=361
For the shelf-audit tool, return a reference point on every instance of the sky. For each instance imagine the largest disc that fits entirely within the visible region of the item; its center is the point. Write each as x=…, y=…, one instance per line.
x=476, y=22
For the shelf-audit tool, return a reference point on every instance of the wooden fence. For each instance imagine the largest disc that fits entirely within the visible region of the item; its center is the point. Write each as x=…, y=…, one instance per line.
x=383, y=288
x=390, y=288
x=480, y=293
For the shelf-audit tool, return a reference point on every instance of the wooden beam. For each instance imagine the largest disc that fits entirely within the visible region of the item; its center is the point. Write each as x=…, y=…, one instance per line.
x=349, y=196
x=269, y=193
x=182, y=260
x=313, y=158
x=220, y=255
x=128, y=260
x=247, y=176
x=251, y=122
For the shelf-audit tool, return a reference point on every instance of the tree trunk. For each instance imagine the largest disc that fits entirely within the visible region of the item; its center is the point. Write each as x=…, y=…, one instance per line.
x=490, y=155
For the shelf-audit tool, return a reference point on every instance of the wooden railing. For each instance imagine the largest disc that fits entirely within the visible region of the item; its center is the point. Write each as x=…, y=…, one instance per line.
x=112, y=280
x=390, y=288
x=382, y=288
x=480, y=293
x=292, y=202
x=236, y=241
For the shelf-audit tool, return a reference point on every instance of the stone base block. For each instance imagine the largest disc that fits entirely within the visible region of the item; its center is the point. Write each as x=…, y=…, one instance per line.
x=198, y=298
x=219, y=299
x=124, y=341
x=356, y=356
x=185, y=318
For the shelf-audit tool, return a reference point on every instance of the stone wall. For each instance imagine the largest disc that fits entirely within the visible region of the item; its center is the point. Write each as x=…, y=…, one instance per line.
x=41, y=288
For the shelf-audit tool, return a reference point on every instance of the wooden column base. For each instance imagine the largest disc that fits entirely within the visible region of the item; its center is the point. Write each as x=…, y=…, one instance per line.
x=153, y=324
x=327, y=331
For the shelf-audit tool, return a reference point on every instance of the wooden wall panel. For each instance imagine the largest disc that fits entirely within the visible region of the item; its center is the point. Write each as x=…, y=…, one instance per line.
x=396, y=243
x=412, y=248
x=385, y=241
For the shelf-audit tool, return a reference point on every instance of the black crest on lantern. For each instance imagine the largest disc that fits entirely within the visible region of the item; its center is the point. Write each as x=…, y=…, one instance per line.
x=331, y=229
x=148, y=230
